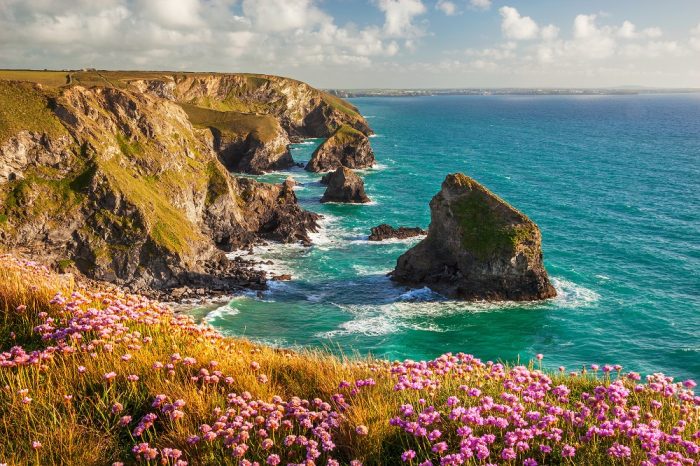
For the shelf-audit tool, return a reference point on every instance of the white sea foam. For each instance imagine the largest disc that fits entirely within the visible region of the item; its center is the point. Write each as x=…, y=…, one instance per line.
x=221, y=312
x=572, y=295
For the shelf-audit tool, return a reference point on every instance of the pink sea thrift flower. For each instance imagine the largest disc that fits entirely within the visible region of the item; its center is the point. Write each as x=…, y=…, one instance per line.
x=361, y=430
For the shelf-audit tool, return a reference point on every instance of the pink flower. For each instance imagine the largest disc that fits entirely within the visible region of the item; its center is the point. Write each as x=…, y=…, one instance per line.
x=361, y=430
x=81, y=369
x=273, y=460
x=254, y=365
x=36, y=445
x=408, y=455
x=568, y=451
x=117, y=408
x=690, y=384
x=109, y=376
x=539, y=356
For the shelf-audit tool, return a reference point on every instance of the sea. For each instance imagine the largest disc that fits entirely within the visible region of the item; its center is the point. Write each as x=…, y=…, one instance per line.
x=612, y=181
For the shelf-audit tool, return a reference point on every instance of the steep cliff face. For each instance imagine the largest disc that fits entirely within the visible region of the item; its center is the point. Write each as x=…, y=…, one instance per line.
x=478, y=248
x=253, y=118
x=120, y=183
x=347, y=147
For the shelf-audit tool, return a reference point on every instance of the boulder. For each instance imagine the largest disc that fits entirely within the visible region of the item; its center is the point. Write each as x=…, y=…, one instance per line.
x=346, y=147
x=478, y=247
x=345, y=186
x=384, y=231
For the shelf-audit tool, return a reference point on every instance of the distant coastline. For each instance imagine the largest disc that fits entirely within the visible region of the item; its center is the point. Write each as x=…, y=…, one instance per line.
x=350, y=93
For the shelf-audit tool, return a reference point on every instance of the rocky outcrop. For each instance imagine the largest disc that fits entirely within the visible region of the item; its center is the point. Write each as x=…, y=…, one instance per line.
x=347, y=147
x=303, y=111
x=383, y=232
x=344, y=186
x=478, y=248
x=120, y=183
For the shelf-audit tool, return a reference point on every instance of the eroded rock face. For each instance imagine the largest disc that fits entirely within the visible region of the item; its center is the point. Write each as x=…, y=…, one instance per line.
x=249, y=153
x=347, y=147
x=128, y=190
x=478, y=248
x=384, y=231
x=344, y=186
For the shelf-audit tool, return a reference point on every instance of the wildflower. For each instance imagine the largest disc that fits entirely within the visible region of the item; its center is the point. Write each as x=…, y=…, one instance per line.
x=254, y=365
x=67, y=398
x=361, y=430
x=568, y=451
x=273, y=460
x=109, y=376
x=81, y=369
x=408, y=455
x=21, y=308
x=539, y=356
x=117, y=408
x=689, y=384
x=26, y=400
x=124, y=421
x=619, y=451
x=36, y=445
x=132, y=378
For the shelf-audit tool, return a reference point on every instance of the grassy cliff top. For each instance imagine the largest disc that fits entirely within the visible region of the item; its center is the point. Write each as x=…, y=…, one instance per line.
x=93, y=376
x=265, y=127
x=121, y=79
x=25, y=107
x=345, y=134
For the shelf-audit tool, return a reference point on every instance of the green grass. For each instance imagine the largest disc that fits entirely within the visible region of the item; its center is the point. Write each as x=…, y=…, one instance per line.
x=345, y=134
x=488, y=227
x=264, y=127
x=23, y=107
x=168, y=226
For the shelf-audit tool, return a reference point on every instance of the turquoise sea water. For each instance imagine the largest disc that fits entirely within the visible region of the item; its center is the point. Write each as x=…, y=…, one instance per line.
x=612, y=181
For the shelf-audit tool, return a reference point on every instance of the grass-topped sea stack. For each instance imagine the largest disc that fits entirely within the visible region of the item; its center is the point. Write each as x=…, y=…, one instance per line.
x=478, y=247
x=347, y=147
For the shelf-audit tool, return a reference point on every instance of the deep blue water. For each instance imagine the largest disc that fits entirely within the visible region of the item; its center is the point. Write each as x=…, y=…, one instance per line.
x=612, y=181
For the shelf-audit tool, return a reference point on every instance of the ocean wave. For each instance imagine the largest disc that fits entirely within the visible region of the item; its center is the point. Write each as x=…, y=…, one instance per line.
x=221, y=312
x=572, y=295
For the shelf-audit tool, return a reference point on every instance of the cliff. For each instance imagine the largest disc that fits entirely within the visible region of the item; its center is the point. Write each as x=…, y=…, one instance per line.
x=121, y=184
x=478, y=247
x=347, y=147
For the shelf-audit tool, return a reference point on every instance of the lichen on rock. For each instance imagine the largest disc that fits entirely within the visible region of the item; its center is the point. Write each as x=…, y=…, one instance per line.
x=478, y=247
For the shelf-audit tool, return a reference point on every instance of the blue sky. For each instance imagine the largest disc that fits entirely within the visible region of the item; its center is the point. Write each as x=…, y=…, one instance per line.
x=369, y=43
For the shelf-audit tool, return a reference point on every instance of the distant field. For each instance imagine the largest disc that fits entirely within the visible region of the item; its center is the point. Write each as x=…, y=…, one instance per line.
x=47, y=78
x=265, y=126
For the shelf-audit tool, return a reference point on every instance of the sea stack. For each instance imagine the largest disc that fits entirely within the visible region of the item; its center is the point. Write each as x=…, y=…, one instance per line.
x=344, y=186
x=478, y=247
x=346, y=147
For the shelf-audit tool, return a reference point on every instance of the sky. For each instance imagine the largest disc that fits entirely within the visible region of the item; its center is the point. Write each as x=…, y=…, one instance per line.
x=368, y=43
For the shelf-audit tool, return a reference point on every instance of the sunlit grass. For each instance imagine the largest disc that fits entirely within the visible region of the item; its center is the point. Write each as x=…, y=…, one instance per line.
x=98, y=376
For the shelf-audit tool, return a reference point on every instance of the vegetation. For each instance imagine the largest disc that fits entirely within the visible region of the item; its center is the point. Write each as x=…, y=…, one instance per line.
x=94, y=376
x=24, y=107
x=345, y=134
x=168, y=226
x=487, y=227
x=265, y=128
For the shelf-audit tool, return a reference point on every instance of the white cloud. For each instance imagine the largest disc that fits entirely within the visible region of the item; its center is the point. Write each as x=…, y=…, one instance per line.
x=695, y=37
x=447, y=7
x=282, y=15
x=481, y=4
x=629, y=31
x=549, y=32
x=399, y=14
x=515, y=26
